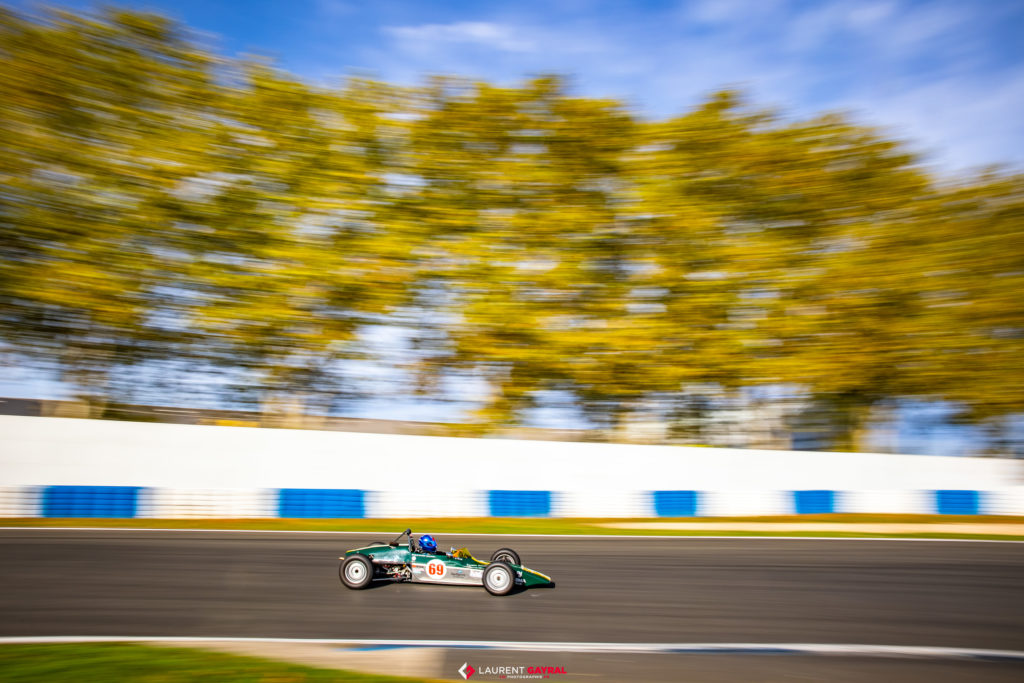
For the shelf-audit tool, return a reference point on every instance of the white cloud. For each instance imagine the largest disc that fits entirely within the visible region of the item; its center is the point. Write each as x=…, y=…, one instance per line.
x=728, y=11
x=957, y=123
x=868, y=15
x=922, y=25
x=815, y=27
x=482, y=33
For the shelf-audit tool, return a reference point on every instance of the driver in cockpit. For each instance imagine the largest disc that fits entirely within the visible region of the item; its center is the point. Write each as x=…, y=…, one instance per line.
x=428, y=545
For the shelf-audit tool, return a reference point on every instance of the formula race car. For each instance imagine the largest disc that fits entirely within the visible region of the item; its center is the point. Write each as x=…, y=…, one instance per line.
x=423, y=563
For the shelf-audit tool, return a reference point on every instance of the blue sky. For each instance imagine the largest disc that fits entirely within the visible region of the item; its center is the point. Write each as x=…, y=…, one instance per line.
x=946, y=75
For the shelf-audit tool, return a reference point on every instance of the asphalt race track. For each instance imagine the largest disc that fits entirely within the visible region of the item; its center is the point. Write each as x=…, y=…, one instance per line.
x=149, y=583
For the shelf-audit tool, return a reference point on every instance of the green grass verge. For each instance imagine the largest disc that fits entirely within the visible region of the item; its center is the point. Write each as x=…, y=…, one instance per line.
x=515, y=525
x=81, y=663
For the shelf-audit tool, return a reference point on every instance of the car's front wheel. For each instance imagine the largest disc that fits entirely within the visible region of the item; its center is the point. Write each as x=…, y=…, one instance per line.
x=356, y=572
x=499, y=578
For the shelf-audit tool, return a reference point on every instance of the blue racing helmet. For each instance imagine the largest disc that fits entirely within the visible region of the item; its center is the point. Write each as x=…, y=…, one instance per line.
x=428, y=543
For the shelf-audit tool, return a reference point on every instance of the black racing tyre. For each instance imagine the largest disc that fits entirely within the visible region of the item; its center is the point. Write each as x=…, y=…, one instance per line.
x=356, y=572
x=506, y=555
x=499, y=578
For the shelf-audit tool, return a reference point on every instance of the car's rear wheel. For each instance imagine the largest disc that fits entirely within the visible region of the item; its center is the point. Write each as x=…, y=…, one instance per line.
x=499, y=578
x=356, y=572
x=506, y=555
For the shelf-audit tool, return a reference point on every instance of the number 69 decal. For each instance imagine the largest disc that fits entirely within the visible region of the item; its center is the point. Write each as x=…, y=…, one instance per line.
x=435, y=569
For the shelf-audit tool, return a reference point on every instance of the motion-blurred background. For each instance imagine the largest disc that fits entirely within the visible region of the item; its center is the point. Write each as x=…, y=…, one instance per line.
x=626, y=254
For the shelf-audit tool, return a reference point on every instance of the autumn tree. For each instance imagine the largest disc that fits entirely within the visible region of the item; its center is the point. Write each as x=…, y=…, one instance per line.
x=98, y=117
x=179, y=213
x=527, y=261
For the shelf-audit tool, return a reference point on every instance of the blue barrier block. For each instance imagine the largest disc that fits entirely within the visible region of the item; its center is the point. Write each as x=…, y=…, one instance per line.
x=90, y=501
x=519, y=503
x=957, y=502
x=814, y=502
x=322, y=503
x=675, y=503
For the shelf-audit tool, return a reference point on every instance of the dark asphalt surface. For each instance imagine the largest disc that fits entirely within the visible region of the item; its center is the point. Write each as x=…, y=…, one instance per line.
x=143, y=583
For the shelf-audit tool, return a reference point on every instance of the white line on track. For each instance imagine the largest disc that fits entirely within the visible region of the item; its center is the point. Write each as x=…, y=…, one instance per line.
x=563, y=536
x=834, y=649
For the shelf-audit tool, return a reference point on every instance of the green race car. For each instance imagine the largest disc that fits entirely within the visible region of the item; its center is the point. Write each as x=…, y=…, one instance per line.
x=423, y=563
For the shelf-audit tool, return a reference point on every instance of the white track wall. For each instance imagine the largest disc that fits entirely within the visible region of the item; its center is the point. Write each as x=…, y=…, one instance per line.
x=189, y=470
